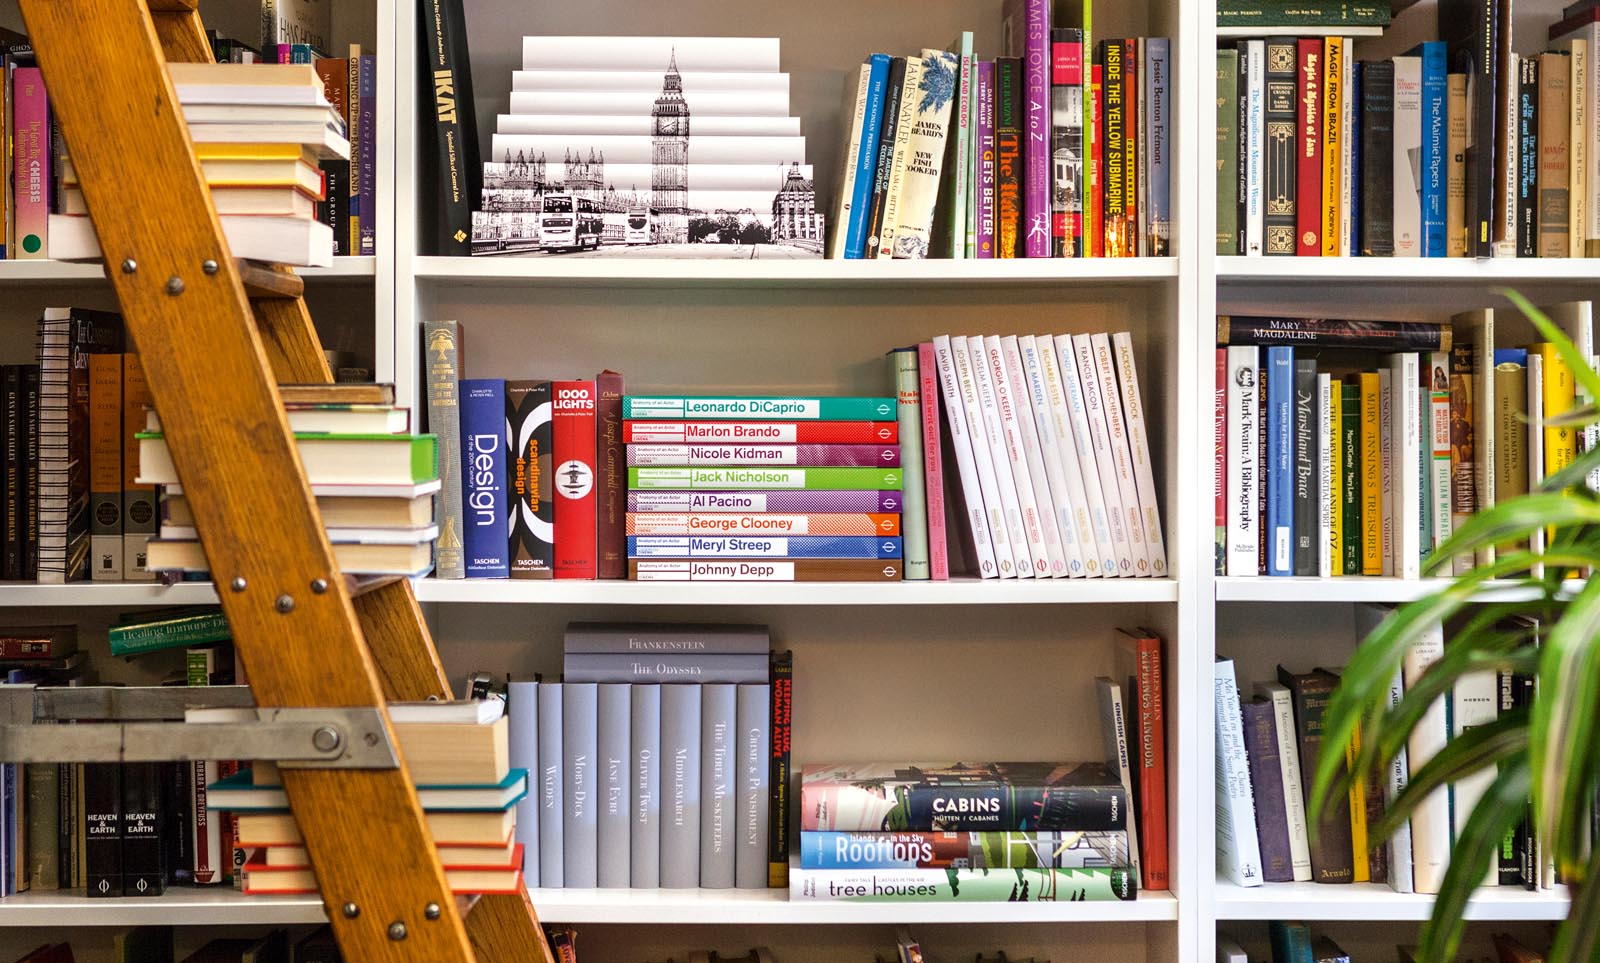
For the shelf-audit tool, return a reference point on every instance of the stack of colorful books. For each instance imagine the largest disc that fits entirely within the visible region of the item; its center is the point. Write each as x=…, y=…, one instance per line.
x=372, y=478
x=762, y=489
x=995, y=832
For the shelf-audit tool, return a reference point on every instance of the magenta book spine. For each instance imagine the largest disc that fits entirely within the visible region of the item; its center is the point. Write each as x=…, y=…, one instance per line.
x=932, y=464
x=30, y=113
x=819, y=502
x=1036, y=207
x=821, y=456
x=986, y=173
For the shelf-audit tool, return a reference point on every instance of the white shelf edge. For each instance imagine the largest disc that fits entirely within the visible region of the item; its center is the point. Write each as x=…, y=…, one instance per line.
x=647, y=271
x=1281, y=270
x=1349, y=588
x=1374, y=902
x=93, y=272
x=177, y=907
x=960, y=591
x=14, y=594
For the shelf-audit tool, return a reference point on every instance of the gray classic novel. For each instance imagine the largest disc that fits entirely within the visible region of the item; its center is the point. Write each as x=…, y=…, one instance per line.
x=552, y=860
x=522, y=708
x=614, y=764
x=645, y=747
x=579, y=721
x=680, y=786
x=718, y=759
x=755, y=740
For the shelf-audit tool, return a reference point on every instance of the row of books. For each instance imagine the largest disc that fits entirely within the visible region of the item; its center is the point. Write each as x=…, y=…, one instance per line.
x=1267, y=748
x=1328, y=464
x=607, y=811
x=1059, y=148
x=1294, y=942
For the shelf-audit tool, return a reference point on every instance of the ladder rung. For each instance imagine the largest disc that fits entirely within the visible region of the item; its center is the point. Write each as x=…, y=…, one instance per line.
x=269, y=281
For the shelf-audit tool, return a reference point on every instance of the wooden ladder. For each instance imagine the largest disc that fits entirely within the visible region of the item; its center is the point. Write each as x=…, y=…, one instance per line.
x=215, y=337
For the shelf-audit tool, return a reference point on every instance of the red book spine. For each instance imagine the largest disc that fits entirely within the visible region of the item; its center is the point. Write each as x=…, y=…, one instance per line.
x=1308, y=155
x=1219, y=441
x=573, y=444
x=1152, y=763
x=645, y=431
x=611, y=478
x=933, y=464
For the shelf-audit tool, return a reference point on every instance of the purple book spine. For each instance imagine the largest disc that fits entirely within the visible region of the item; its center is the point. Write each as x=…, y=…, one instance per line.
x=820, y=455
x=1266, y=780
x=985, y=93
x=1036, y=142
x=367, y=153
x=800, y=502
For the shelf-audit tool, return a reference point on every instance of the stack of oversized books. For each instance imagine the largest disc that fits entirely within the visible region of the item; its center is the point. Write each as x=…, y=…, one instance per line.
x=458, y=755
x=259, y=132
x=373, y=480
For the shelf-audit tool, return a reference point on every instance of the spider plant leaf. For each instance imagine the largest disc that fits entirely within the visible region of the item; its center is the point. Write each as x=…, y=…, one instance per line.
x=1578, y=939
x=1565, y=715
x=1502, y=806
x=1512, y=521
x=1505, y=738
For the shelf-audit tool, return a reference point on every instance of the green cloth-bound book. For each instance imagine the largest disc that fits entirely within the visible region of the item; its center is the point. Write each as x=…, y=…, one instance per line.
x=174, y=631
x=759, y=409
x=329, y=459
x=762, y=479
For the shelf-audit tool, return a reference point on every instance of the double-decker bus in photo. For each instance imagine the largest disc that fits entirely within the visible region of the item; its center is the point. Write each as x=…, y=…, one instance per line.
x=569, y=223
x=641, y=226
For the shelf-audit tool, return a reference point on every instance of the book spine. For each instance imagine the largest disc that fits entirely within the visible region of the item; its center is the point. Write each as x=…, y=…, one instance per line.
x=644, y=852
x=611, y=476
x=1272, y=821
x=1022, y=446
x=1219, y=467
x=762, y=432
x=1349, y=150
x=1238, y=845
x=964, y=885
x=1331, y=848
x=11, y=399
x=1439, y=453
x=1394, y=783
x=680, y=786
x=956, y=851
x=1036, y=118
x=1157, y=159
x=865, y=161
x=453, y=155
x=1087, y=406
x=752, y=796
x=1254, y=12
x=135, y=637
x=365, y=147
x=1094, y=131
x=102, y=795
x=1528, y=157
x=142, y=873
x=752, y=547
x=1554, y=134
x=551, y=788
x=30, y=476
x=531, y=551
x=1407, y=143
x=580, y=783
x=1308, y=147
x=1253, y=145
x=1329, y=532
x=932, y=463
x=1114, y=148
x=1114, y=730
x=1105, y=366
x=1506, y=145
x=904, y=134
x=846, y=219
x=613, y=758
x=806, y=456
x=1535, y=441
x=914, y=514
x=957, y=199
x=1243, y=460
x=925, y=155
x=1008, y=157
x=1361, y=855
x=1027, y=547
x=522, y=711
x=646, y=639
x=1281, y=139
x=1304, y=434
x=872, y=226
x=1331, y=332
x=1280, y=461
x=781, y=731
x=1560, y=444
x=1288, y=775
x=960, y=384
x=965, y=807
x=441, y=346
x=1434, y=145
x=1044, y=392
x=985, y=212
x=1480, y=55
x=718, y=796
x=812, y=408
x=591, y=667
x=764, y=570
x=31, y=162
x=801, y=502
x=1430, y=821
x=483, y=476
x=42, y=860
x=1066, y=139
x=667, y=523
x=138, y=501
x=1407, y=427
x=1371, y=468
x=1228, y=137
x=1149, y=689
x=105, y=465
x=1133, y=107
x=1090, y=516
x=573, y=450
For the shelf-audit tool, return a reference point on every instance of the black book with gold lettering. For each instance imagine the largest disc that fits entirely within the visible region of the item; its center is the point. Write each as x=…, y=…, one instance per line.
x=1280, y=146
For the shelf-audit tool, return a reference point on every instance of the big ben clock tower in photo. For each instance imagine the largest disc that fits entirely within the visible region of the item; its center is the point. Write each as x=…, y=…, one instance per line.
x=669, y=174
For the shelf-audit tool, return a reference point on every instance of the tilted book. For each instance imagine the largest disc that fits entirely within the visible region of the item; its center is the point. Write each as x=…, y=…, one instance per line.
x=925, y=153
x=932, y=462
x=976, y=542
x=1076, y=541
x=1027, y=546
x=899, y=157
x=1238, y=849
x=1021, y=427
x=1009, y=558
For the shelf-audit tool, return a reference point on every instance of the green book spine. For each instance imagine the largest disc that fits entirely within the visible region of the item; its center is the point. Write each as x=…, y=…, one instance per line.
x=913, y=496
x=763, y=479
x=956, y=207
x=963, y=885
x=1227, y=152
x=759, y=409
x=135, y=638
x=1350, y=480
x=1269, y=15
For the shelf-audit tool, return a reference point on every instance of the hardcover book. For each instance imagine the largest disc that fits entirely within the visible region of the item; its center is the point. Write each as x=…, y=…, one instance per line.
x=1009, y=161
x=450, y=164
x=644, y=849
x=1280, y=140
x=752, y=797
x=441, y=343
x=761, y=454
x=531, y=480
x=745, y=408
x=522, y=709
x=964, y=885
x=761, y=432
x=723, y=479
x=818, y=502
x=680, y=786
x=580, y=777
x=931, y=850
x=483, y=474
x=613, y=781
x=960, y=797
x=658, y=667
x=1027, y=35
x=573, y=447
x=610, y=476
x=718, y=765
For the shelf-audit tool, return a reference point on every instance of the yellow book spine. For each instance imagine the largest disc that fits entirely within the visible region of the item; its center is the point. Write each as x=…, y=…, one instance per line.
x=1560, y=442
x=1371, y=480
x=1358, y=813
x=1335, y=477
x=1332, y=166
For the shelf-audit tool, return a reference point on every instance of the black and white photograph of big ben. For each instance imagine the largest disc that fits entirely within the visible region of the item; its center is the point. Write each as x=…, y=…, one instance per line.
x=654, y=147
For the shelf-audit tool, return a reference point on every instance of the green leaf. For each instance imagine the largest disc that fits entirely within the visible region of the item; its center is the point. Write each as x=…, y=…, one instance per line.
x=1569, y=353
x=1565, y=715
x=1578, y=939
x=1501, y=807
x=1512, y=521
x=1464, y=755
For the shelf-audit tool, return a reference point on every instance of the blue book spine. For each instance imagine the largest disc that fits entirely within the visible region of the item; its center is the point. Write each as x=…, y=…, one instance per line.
x=1433, y=148
x=483, y=477
x=866, y=161
x=1280, y=461
x=1516, y=356
x=1159, y=88
x=779, y=546
x=1355, y=155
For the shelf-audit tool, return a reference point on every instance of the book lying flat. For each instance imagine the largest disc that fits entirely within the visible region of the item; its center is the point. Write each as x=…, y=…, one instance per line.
x=405, y=490
x=239, y=793
x=261, y=878
x=963, y=885
x=326, y=143
x=332, y=419
x=330, y=393
x=452, y=857
x=354, y=559
x=338, y=535
x=338, y=511
x=328, y=459
x=486, y=829
x=286, y=240
x=481, y=712
x=211, y=83
x=293, y=200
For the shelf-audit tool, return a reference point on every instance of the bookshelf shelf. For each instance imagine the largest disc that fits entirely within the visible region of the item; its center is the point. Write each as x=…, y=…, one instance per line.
x=179, y=907
x=1345, y=589
x=777, y=273
x=960, y=591
x=15, y=594
x=47, y=273
x=1371, y=901
x=1404, y=270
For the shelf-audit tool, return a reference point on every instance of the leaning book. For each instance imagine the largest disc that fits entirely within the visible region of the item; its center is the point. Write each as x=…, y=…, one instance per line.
x=962, y=885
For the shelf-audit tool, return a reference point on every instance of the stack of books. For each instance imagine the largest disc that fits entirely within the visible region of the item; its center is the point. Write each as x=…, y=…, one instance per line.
x=372, y=478
x=1356, y=447
x=1001, y=832
x=811, y=495
x=260, y=131
x=647, y=147
x=1459, y=148
x=663, y=759
x=458, y=754
x=1058, y=148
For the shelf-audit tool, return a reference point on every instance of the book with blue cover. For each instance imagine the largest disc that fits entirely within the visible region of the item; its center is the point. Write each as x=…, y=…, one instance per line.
x=1280, y=460
x=866, y=159
x=1435, y=148
x=239, y=793
x=483, y=477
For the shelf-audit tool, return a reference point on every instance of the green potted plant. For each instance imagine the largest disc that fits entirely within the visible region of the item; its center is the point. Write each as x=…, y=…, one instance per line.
x=1549, y=751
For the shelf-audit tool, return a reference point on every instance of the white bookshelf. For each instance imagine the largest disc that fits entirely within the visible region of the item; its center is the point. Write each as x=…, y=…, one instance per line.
x=1377, y=902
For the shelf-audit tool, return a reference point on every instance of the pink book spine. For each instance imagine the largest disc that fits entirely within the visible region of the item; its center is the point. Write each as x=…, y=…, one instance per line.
x=933, y=464
x=30, y=162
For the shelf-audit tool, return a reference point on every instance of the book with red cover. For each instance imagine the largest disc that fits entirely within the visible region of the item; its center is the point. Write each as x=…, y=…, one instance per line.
x=573, y=445
x=611, y=477
x=1139, y=658
x=41, y=643
x=1308, y=147
x=933, y=464
x=646, y=431
x=260, y=878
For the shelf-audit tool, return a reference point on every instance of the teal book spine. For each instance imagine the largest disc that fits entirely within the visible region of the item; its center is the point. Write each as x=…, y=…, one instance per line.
x=134, y=638
x=763, y=479
x=759, y=409
x=914, y=495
